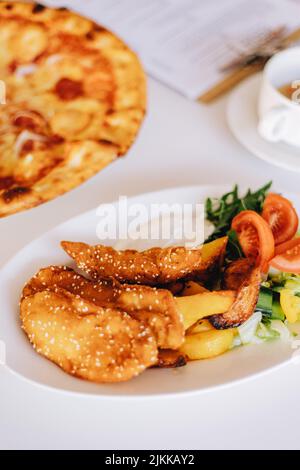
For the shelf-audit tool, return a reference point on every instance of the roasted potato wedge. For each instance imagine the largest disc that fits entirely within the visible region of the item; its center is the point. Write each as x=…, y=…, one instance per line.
x=196, y=307
x=192, y=288
x=200, y=327
x=207, y=344
x=236, y=273
x=170, y=359
x=213, y=254
x=214, y=251
x=244, y=305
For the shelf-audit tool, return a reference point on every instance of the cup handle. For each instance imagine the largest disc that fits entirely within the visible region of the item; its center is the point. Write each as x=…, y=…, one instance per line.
x=273, y=125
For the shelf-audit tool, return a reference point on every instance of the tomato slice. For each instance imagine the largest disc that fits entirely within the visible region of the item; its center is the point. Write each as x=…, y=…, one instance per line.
x=255, y=237
x=287, y=257
x=281, y=216
x=283, y=247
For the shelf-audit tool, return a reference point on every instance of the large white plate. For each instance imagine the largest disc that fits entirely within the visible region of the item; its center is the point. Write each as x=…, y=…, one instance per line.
x=197, y=377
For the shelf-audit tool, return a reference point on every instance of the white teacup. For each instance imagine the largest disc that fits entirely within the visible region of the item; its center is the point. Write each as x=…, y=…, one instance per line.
x=279, y=116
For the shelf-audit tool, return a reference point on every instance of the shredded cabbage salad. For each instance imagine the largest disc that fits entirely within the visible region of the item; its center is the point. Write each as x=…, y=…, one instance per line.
x=270, y=320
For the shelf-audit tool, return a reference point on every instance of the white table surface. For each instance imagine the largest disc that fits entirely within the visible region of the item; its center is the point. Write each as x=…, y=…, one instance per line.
x=181, y=143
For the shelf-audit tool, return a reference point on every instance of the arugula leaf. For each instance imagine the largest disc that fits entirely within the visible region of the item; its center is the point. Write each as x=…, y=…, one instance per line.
x=220, y=213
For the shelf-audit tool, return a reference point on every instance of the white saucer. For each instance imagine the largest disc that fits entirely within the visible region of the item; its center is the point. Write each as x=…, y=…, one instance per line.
x=243, y=120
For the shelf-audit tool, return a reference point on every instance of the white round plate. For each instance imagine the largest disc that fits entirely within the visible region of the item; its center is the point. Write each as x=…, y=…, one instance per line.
x=196, y=377
x=243, y=121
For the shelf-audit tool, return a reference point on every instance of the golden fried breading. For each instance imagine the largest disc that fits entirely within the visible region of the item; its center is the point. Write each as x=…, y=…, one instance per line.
x=157, y=266
x=87, y=341
x=244, y=305
x=158, y=309
x=100, y=293
x=154, y=307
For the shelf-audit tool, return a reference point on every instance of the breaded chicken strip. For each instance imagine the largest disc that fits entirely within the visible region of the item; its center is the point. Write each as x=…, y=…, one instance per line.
x=153, y=267
x=154, y=307
x=90, y=342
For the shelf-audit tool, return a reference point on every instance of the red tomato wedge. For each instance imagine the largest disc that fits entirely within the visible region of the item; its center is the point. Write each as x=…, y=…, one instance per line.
x=281, y=216
x=287, y=257
x=283, y=247
x=255, y=237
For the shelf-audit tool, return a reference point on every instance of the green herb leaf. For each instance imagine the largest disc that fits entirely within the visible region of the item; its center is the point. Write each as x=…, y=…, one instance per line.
x=220, y=213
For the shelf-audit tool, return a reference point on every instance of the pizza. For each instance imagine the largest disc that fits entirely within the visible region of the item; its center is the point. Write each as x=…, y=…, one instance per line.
x=75, y=100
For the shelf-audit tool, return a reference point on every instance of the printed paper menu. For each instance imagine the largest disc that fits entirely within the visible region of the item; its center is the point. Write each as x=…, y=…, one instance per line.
x=186, y=43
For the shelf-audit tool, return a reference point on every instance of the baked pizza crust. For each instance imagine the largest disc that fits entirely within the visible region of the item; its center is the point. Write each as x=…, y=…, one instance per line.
x=76, y=98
